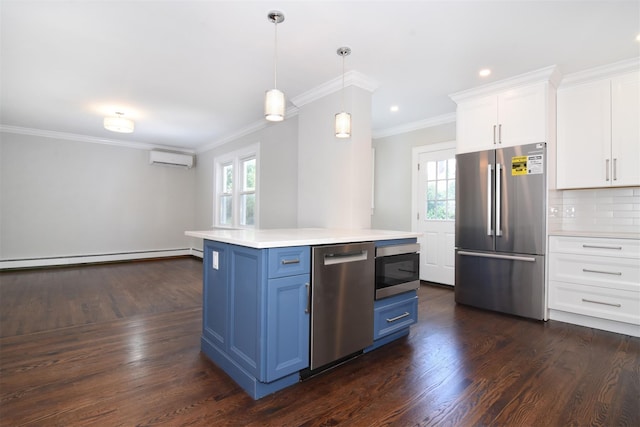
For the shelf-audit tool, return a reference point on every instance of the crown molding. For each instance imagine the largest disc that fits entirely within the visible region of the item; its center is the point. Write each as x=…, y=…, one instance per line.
x=604, y=71
x=254, y=127
x=86, y=138
x=420, y=124
x=549, y=74
x=351, y=78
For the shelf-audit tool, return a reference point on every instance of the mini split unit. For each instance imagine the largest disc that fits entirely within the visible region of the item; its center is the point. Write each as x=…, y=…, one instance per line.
x=170, y=159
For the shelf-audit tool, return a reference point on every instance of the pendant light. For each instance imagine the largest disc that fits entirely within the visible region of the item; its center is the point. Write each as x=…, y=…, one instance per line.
x=118, y=123
x=343, y=119
x=274, y=102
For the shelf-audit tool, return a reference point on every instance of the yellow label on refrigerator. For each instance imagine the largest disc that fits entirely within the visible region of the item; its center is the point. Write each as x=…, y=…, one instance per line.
x=519, y=165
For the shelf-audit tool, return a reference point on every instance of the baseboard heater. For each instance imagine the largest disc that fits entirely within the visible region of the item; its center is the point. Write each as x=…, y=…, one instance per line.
x=96, y=258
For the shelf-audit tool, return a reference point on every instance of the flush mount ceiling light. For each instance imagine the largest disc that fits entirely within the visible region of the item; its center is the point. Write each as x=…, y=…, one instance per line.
x=343, y=119
x=274, y=103
x=118, y=123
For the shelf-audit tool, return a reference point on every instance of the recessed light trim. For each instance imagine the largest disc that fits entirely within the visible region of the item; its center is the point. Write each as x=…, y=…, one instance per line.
x=484, y=72
x=394, y=108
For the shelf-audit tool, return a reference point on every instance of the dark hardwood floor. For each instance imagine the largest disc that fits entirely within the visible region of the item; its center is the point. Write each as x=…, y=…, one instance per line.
x=118, y=344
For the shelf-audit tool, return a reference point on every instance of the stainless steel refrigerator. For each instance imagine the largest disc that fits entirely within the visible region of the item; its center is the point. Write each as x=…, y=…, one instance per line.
x=501, y=229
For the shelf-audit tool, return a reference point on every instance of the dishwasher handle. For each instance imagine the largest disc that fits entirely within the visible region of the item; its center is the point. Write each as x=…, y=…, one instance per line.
x=344, y=257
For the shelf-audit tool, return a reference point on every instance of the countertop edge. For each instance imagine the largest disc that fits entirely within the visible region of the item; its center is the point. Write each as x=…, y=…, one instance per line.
x=262, y=239
x=596, y=234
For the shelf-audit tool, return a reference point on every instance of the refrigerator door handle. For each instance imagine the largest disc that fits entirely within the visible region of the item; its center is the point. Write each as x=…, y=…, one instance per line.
x=508, y=257
x=498, y=201
x=489, y=229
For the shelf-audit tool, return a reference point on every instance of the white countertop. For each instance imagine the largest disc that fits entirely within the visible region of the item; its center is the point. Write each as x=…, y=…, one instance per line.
x=601, y=234
x=279, y=238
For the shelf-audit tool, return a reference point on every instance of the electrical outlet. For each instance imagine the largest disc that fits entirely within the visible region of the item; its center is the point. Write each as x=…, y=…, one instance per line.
x=215, y=259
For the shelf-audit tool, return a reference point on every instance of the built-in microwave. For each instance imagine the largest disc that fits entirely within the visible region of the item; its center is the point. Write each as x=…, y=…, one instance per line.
x=397, y=269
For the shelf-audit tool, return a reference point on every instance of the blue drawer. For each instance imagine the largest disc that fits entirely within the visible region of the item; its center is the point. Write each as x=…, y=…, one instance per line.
x=289, y=261
x=394, y=314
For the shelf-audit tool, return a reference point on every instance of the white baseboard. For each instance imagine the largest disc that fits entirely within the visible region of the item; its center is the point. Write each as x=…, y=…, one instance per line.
x=96, y=258
x=596, y=323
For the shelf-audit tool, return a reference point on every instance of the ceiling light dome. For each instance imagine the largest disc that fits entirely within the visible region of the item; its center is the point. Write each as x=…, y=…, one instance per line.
x=118, y=123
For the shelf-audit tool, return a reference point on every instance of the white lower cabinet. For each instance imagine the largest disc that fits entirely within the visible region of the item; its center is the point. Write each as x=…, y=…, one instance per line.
x=595, y=282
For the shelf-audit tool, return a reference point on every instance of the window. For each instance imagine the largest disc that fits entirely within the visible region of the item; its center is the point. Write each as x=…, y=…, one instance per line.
x=236, y=184
x=441, y=189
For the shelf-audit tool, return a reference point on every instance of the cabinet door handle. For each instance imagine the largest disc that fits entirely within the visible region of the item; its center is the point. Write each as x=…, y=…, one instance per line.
x=393, y=319
x=607, y=169
x=619, y=248
x=290, y=261
x=308, y=309
x=500, y=134
x=494, y=134
x=615, y=169
x=601, y=302
x=613, y=273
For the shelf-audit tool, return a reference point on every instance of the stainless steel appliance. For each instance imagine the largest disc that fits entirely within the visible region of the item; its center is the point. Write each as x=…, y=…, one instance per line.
x=397, y=269
x=500, y=229
x=341, y=301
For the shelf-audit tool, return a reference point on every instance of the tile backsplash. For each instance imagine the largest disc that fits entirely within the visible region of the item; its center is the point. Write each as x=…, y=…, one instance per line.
x=595, y=210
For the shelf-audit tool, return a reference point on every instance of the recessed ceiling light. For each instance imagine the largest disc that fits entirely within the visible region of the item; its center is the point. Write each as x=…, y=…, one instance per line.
x=638, y=38
x=484, y=72
x=394, y=108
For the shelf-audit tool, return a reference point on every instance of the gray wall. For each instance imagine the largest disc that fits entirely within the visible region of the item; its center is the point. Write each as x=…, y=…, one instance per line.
x=334, y=175
x=278, y=180
x=392, y=174
x=63, y=198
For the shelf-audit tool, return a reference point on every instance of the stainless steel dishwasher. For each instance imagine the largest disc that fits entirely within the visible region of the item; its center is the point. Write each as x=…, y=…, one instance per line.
x=342, y=294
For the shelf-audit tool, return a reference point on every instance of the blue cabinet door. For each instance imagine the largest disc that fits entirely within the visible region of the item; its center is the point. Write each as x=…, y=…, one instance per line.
x=214, y=293
x=287, y=329
x=247, y=279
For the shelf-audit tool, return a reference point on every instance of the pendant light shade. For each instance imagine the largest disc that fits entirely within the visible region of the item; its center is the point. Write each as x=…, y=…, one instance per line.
x=274, y=105
x=343, y=119
x=118, y=124
x=274, y=101
x=343, y=125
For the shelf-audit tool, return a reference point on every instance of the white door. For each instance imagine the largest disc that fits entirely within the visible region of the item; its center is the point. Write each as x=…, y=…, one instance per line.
x=434, y=210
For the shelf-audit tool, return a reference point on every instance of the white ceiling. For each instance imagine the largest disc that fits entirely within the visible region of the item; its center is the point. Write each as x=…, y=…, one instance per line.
x=193, y=73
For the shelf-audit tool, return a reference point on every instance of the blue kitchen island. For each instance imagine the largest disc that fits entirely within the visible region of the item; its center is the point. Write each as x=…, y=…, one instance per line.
x=257, y=287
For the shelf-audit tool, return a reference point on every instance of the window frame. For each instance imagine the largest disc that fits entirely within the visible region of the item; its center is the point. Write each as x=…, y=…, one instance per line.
x=236, y=159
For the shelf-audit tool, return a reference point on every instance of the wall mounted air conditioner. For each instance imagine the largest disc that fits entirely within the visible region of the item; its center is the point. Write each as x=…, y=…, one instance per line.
x=170, y=159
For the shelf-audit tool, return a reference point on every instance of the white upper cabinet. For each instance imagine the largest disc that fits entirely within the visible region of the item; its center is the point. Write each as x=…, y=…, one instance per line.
x=506, y=113
x=522, y=115
x=625, y=129
x=476, y=124
x=598, y=133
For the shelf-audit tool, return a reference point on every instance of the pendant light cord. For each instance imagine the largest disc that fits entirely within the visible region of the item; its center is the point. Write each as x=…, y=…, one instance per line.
x=342, y=82
x=275, y=57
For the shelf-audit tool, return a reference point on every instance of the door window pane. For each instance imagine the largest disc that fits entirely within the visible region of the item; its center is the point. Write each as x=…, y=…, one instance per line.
x=431, y=171
x=441, y=190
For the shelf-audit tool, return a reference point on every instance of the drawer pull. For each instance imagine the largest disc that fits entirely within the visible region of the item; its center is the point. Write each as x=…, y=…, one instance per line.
x=618, y=248
x=393, y=319
x=290, y=261
x=613, y=273
x=600, y=302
